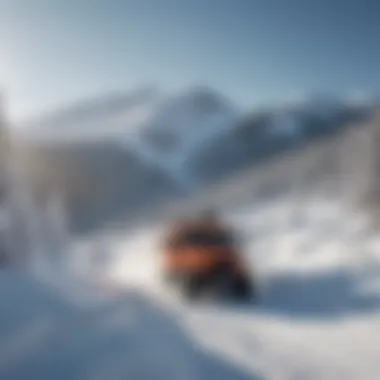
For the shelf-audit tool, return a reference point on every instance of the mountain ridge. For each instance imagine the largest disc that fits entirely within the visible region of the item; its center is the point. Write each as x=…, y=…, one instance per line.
x=186, y=142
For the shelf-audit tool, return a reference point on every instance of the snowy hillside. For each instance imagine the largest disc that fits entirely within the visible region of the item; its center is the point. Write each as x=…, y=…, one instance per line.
x=318, y=317
x=110, y=156
x=178, y=133
x=93, y=119
x=318, y=268
x=163, y=131
x=128, y=337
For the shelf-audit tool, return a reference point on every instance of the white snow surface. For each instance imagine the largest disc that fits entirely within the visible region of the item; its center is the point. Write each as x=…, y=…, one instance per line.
x=109, y=318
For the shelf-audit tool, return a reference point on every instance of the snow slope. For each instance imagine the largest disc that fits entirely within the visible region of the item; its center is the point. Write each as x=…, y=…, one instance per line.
x=44, y=336
x=318, y=317
x=320, y=296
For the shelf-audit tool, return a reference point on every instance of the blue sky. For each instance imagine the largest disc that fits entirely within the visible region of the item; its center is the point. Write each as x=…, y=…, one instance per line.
x=53, y=52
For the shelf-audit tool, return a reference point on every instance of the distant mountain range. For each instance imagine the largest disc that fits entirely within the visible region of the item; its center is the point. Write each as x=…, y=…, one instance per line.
x=122, y=154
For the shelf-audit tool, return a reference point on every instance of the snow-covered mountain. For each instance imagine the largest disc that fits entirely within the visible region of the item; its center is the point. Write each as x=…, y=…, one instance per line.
x=147, y=144
x=185, y=124
x=162, y=131
x=96, y=118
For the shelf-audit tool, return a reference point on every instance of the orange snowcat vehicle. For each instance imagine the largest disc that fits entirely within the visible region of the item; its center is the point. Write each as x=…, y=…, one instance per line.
x=201, y=258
